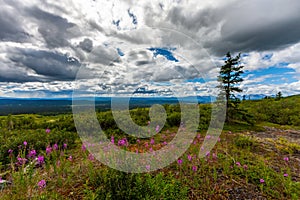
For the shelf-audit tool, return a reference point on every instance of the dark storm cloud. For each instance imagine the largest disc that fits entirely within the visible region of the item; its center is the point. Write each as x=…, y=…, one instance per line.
x=55, y=30
x=245, y=25
x=86, y=45
x=53, y=65
x=203, y=18
x=15, y=74
x=10, y=28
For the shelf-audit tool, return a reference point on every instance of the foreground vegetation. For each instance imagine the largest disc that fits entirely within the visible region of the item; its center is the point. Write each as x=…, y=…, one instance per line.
x=41, y=157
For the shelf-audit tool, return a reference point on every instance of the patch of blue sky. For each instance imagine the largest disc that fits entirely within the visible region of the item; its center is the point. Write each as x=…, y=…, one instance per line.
x=166, y=52
x=133, y=17
x=243, y=55
x=117, y=23
x=196, y=80
x=120, y=52
x=280, y=80
x=162, y=83
x=267, y=56
x=273, y=70
x=277, y=74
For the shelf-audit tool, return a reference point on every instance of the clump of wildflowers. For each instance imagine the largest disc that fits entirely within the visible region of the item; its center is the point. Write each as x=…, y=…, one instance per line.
x=48, y=150
x=42, y=184
x=123, y=142
x=32, y=154
x=194, y=168
x=40, y=159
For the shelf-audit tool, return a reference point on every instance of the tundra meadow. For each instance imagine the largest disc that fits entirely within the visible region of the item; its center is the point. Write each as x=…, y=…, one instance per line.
x=42, y=157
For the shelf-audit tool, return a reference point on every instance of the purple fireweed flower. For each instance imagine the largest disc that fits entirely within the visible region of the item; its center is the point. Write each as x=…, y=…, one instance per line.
x=65, y=146
x=165, y=143
x=25, y=143
x=157, y=129
x=179, y=161
x=189, y=157
x=207, y=154
x=138, y=140
x=194, y=168
x=55, y=146
x=151, y=149
x=48, y=150
x=83, y=147
x=261, y=180
x=32, y=154
x=219, y=139
x=21, y=161
x=238, y=164
x=42, y=184
x=40, y=159
x=207, y=137
x=123, y=142
x=47, y=130
x=112, y=139
x=146, y=144
x=245, y=167
x=148, y=167
x=286, y=159
x=198, y=136
x=152, y=141
x=10, y=151
x=91, y=157
x=70, y=158
x=285, y=175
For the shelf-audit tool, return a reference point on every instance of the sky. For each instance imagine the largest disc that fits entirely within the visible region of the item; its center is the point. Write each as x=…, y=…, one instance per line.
x=48, y=49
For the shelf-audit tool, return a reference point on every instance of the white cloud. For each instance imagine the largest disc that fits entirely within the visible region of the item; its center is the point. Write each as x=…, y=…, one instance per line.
x=201, y=31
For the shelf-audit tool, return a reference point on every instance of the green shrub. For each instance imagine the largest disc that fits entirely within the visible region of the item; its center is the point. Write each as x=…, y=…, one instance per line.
x=112, y=184
x=244, y=142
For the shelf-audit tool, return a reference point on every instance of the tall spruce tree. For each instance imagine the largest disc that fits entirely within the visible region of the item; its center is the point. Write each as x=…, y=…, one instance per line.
x=229, y=78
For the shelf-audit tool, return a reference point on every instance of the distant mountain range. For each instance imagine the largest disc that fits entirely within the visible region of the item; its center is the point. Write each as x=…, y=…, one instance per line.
x=64, y=105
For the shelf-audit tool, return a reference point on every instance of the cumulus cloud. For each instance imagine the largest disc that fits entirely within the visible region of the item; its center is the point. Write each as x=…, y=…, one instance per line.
x=46, y=45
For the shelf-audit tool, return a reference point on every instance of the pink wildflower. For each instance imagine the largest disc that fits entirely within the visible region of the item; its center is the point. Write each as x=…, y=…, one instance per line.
x=194, y=168
x=40, y=159
x=48, y=150
x=179, y=161
x=42, y=184
x=157, y=129
x=190, y=157
x=70, y=158
x=152, y=141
